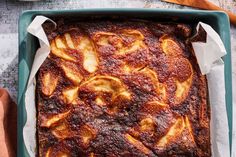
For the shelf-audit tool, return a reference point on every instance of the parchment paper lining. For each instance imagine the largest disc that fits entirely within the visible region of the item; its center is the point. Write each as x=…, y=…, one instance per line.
x=209, y=59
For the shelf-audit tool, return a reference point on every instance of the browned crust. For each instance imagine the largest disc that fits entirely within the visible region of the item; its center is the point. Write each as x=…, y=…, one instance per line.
x=118, y=128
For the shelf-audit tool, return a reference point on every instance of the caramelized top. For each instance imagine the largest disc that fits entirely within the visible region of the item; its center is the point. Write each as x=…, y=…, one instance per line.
x=118, y=88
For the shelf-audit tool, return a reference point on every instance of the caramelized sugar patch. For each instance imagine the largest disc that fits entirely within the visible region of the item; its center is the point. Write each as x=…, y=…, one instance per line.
x=138, y=144
x=180, y=130
x=87, y=133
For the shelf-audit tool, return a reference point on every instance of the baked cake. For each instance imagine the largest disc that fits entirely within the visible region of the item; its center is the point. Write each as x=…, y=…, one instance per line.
x=119, y=88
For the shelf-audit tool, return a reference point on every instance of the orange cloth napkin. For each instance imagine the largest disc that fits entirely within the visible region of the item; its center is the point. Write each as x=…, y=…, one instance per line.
x=8, y=125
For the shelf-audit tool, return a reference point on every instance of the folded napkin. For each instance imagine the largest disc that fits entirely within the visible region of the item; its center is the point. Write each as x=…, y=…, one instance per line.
x=8, y=125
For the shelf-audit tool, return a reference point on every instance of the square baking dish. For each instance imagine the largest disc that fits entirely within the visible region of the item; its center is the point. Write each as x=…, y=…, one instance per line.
x=28, y=45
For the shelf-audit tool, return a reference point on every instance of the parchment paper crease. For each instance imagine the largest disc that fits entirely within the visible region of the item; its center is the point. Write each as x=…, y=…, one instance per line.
x=209, y=59
x=29, y=130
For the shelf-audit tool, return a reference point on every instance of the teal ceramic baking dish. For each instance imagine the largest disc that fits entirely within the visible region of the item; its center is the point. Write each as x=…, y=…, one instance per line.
x=28, y=45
